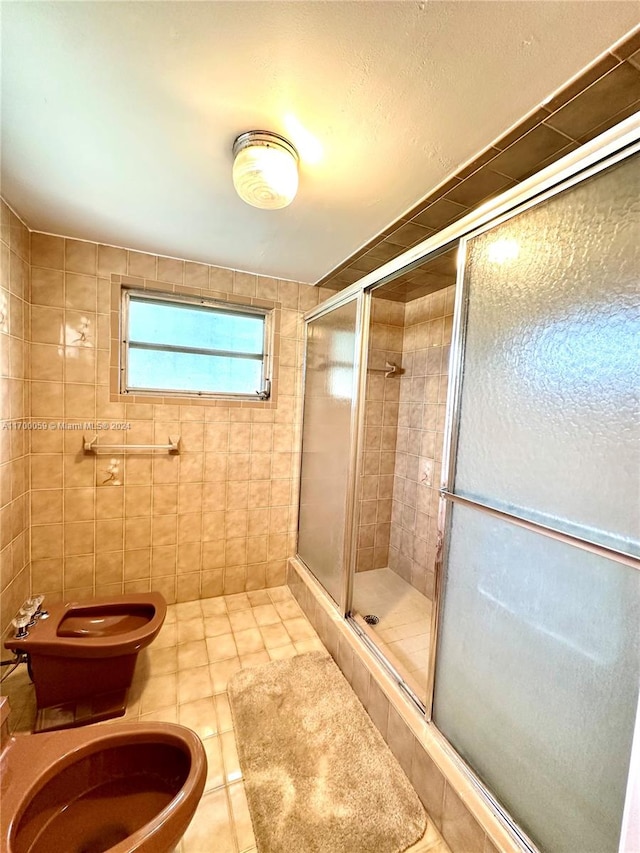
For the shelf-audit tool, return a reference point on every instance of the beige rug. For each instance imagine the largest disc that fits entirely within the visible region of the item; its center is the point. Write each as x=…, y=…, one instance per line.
x=318, y=775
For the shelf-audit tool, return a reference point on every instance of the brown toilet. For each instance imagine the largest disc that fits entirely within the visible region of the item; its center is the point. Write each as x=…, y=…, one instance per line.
x=83, y=655
x=102, y=789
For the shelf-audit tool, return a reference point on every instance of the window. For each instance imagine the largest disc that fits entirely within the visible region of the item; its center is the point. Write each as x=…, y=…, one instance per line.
x=190, y=345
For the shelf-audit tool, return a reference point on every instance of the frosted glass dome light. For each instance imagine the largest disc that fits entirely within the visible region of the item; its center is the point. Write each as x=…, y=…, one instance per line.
x=265, y=169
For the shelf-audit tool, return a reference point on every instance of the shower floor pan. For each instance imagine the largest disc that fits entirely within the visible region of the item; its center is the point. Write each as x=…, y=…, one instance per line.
x=403, y=632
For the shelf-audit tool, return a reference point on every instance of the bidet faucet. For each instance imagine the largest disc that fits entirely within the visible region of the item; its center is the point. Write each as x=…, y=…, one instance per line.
x=32, y=608
x=20, y=623
x=40, y=613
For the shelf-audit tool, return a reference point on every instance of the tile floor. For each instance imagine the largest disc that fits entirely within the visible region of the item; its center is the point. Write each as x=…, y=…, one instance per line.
x=183, y=678
x=404, y=629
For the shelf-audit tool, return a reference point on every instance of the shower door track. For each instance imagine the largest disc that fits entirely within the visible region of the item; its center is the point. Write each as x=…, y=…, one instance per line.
x=485, y=794
x=527, y=845
x=384, y=661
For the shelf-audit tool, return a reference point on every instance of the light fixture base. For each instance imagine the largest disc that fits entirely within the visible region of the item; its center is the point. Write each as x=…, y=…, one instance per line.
x=266, y=138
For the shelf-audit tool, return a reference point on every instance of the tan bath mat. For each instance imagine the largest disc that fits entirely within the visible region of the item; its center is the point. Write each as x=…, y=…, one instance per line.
x=318, y=775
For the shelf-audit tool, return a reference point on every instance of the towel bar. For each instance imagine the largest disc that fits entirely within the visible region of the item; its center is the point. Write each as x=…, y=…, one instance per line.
x=91, y=445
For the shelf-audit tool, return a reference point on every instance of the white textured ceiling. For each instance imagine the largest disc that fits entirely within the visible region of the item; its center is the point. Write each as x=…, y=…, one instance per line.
x=118, y=117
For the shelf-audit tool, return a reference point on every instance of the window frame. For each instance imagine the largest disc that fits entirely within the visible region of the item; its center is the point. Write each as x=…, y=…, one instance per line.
x=262, y=394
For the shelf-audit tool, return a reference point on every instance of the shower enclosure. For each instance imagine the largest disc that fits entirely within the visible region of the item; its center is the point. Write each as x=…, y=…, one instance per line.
x=470, y=487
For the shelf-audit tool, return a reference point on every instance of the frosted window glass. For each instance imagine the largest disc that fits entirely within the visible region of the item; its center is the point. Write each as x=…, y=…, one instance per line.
x=176, y=324
x=549, y=419
x=326, y=444
x=178, y=371
x=537, y=678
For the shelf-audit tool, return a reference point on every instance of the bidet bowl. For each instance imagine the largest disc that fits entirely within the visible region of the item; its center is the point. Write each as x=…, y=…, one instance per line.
x=119, y=788
x=110, y=620
x=84, y=655
x=100, y=628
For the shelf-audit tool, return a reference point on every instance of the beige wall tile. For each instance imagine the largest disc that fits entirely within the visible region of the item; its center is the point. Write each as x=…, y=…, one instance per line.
x=46, y=506
x=47, y=251
x=460, y=830
x=171, y=270
x=141, y=264
x=111, y=260
x=109, y=536
x=79, y=538
x=196, y=505
x=47, y=325
x=80, y=292
x=46, y=363
x=80, y=256
x=46, y=575
x=14, y=407
x=46, y=541
x=79, y=574
x=109, y=565
x=47, y=287
x=46, y=471
x=137, y=564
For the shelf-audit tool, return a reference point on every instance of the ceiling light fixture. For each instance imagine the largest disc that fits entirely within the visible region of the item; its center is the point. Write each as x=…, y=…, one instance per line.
x=265, y=169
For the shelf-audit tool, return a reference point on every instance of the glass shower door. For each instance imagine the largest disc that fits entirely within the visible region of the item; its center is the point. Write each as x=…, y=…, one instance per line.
x=328, y=424
x=538, y=658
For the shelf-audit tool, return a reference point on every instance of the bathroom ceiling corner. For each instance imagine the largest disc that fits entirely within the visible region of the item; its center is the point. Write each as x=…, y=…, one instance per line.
x=118, y=119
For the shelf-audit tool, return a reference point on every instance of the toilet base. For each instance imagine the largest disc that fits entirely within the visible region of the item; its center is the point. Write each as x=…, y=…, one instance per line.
x=60, y=680
x=68, y=715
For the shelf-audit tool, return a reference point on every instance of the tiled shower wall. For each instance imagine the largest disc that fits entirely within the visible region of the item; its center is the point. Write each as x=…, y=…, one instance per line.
x=423, y=395
x=218, y=518
x=381, y=424
x=14, y=404
x=404, y=434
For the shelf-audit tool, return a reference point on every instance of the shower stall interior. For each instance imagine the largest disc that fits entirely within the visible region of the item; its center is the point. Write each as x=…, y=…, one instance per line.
x=469, y=490
x=407, y=333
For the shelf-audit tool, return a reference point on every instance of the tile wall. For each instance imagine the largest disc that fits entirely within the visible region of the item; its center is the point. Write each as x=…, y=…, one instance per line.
x=381, y=424
x=14, y=407
x=421, y=416
x=218, y=518
x=404, y=434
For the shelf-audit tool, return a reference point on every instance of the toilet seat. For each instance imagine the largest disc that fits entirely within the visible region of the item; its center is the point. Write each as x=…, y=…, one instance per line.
x=155, y=775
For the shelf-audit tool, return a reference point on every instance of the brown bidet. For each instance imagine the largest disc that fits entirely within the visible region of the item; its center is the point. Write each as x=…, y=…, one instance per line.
x=82, y=657
x=120, y=788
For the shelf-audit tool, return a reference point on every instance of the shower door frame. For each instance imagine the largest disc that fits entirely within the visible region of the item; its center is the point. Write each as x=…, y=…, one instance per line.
x=448, y=498
x=613, y=145
x=356, y=433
